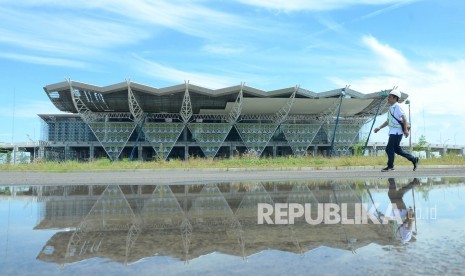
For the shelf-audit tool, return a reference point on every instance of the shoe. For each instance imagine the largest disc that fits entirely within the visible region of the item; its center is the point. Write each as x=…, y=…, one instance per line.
x=387, y=169
x=415, y=162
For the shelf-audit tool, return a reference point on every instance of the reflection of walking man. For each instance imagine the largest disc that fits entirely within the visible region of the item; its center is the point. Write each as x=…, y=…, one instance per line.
x=396, y=116
x=404, y=231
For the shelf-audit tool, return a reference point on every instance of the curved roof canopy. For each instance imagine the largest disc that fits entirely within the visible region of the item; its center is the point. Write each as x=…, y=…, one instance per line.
x=114, y=98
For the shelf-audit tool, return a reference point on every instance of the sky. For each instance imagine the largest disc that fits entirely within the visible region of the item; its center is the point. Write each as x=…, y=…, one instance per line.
x=371, y=45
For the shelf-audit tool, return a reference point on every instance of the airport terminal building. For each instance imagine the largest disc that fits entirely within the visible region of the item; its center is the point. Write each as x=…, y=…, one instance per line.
x=135, y=121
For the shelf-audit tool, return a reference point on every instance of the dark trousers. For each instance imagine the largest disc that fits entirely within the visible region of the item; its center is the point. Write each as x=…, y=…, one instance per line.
x=396, y=196
x=393, y=147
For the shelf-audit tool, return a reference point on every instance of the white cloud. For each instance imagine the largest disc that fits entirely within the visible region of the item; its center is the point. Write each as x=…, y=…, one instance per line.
x=188, y=17
x=159, y=71
x=222, y=49
x=316, y=5
x=44, y=60
x=330, y=24
x=61, y=39
x=394, y=63
x=436, y=85
x=434, y=88
x=66, y=31
x=64, y=34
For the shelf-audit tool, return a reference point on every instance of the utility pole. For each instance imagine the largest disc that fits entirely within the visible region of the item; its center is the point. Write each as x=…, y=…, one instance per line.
x=13, y=127
x=34, y=145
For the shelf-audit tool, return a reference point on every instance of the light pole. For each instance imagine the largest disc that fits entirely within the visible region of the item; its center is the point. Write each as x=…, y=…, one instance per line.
x=34, y=145
x=410, y=120
x=444, y=146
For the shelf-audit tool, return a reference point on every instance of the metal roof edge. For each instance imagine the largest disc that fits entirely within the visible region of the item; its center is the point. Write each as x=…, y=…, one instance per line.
x=215, y=92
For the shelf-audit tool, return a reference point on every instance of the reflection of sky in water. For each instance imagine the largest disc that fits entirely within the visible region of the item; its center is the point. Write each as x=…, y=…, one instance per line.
x=438, y=249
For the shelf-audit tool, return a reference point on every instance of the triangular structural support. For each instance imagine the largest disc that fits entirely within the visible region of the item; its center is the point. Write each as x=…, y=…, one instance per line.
x=343, y=193
x=163, y=136
x=283, y=112
x=210, y=136
x=134, y=106
x=301, y=194
x=210, y=207
x=346, y=134
x=255, y=194
x=186, y=235
x=162, y=210
x=256, y=136
x=300, y=136
x=113, y=136
x=186, y=108
x=237, y=107
x=111, y=211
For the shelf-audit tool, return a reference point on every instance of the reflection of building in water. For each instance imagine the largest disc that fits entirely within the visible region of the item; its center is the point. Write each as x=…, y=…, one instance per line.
x=128, y=223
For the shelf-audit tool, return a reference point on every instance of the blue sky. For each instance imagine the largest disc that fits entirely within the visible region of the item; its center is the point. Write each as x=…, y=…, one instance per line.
x=370, y=45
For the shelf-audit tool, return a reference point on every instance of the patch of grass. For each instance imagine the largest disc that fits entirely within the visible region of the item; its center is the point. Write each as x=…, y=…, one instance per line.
x=236, y=162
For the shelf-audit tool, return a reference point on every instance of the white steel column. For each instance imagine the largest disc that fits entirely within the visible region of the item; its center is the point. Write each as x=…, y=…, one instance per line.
x=80, y=106
x=282, y=113
x=237, y=108
x=134, y=106
x=186, y=109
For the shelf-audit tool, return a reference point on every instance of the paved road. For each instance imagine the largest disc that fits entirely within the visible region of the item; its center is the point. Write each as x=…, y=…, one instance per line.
x=202, y=176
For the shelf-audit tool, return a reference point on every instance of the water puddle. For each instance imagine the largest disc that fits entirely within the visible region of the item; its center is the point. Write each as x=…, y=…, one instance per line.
x=320, y=227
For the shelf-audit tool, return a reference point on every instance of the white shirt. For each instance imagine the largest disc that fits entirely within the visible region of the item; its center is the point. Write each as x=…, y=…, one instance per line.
x=394, y=126
x=400, y=231
x=405, y=234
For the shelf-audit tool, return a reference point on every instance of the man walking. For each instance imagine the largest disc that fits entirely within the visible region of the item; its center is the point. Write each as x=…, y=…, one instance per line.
x=398, y=126
x=407, y=215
